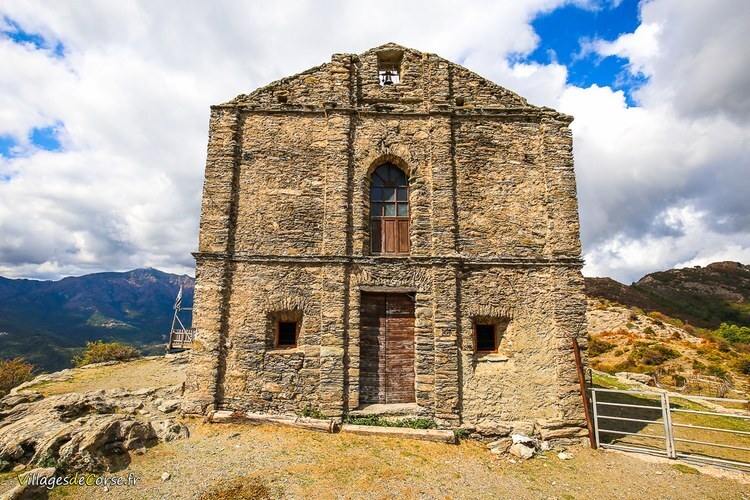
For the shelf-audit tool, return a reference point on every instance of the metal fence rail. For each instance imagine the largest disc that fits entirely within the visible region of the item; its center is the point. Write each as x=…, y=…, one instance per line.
x=638, y=418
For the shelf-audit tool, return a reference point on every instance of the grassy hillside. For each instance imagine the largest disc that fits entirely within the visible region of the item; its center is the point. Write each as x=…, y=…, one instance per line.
x=626, y=339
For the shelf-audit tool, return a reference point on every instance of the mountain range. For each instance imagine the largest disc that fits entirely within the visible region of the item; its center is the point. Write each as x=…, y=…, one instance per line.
x=47, y=322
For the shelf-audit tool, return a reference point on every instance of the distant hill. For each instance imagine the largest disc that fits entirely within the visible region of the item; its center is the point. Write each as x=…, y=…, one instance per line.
x=47, y=322
x=701, y=296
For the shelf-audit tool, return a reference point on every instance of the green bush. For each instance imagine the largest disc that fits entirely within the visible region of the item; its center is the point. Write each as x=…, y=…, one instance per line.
x=655, y=355
x=742, y=365
x=733, y=333
x=14, y=372
x=598, y=347
x=716, y=370
x=99, y=352
x=312, y=412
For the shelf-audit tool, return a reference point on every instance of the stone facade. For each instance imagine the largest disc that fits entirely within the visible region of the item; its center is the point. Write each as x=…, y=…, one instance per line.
x=493, y=236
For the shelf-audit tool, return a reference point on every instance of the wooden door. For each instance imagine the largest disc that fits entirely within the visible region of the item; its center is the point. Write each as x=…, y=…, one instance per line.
x=386, y=349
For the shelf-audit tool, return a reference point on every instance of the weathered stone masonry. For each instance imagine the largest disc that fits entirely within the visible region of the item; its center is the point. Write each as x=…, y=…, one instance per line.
x=493, y=237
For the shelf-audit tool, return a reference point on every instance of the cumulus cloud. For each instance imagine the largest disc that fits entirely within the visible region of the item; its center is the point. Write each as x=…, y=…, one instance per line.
x=694, y=52
x=684, y=150
x=126, y=89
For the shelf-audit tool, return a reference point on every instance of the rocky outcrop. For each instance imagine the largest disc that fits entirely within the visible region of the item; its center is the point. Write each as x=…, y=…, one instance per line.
x=91, y=431
x=31, y=485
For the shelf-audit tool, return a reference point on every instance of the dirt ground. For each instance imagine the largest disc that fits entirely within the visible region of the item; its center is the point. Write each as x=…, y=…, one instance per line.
x=243, y=461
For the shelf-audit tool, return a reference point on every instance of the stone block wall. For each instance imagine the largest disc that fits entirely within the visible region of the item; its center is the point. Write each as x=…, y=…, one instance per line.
x=285, y=235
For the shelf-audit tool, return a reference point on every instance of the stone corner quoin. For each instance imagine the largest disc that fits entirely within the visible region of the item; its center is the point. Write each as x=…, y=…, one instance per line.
x=413, y=243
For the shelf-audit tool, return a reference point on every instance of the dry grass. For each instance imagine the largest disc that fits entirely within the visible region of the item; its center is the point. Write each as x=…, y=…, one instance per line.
x=239, y=489
x=272, y=462
x=244, y=461
x=626, y=340
x=146, y=372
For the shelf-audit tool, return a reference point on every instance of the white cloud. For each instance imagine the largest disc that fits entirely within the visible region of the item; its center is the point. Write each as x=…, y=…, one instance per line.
x=686, y=145
x=133, y=91
x=695, y=53
x=135, y=84
x=639, y=47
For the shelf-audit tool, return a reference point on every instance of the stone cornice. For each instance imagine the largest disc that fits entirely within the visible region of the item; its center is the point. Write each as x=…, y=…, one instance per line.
x=410, y=260
x=530, y=114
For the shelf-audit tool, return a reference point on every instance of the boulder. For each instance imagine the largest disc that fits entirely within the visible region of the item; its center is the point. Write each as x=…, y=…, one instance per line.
x=521, y=451
x=169, y=405
x=500, y=446
x=636, y=377
x=169, y=430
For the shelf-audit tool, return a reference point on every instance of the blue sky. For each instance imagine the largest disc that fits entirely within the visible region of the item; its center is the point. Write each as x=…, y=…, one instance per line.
x=564, y=33
x=104, y=114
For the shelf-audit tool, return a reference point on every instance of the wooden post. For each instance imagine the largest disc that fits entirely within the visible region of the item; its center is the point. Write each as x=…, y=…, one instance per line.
x=582, y=383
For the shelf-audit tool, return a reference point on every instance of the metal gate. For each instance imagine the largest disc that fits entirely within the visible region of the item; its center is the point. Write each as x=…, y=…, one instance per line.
x=691, y=428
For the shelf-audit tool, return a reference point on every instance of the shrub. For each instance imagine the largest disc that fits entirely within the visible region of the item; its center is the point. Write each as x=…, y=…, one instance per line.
x=742, y=365
x=99, y=352
x=716, y=370
x=312, y=412
x=724, y=346
x=14, y=372
x=733, y=333
x=629, y=324
x=624, y=366
x=598, y=347
x=655, y=355
x=633, y=316
x=679, y=380
x=648, y=330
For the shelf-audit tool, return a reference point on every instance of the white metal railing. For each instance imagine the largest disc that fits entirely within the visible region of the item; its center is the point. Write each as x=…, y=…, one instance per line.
x=606, y=423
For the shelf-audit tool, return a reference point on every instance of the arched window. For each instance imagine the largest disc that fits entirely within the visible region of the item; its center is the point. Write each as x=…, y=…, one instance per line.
x=389, y=210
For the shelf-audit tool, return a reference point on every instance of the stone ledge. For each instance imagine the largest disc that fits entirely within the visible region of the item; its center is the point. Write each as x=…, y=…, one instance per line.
x=402, y=410
x=314, y=424
x=492, y=358
x=286, y=352
x=437, y=435
x=427, y=260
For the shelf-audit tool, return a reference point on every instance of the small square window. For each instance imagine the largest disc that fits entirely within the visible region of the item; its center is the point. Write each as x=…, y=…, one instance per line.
x=485, y=338
x=287, y=334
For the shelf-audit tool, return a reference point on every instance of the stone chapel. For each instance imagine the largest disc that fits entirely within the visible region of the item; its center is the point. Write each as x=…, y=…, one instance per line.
x=390, y=232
